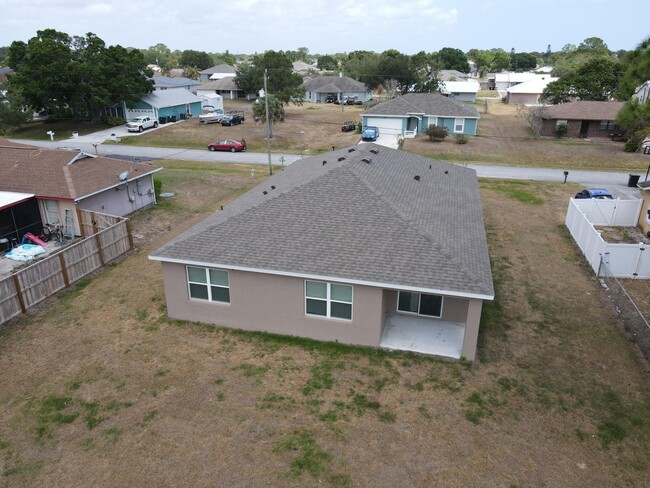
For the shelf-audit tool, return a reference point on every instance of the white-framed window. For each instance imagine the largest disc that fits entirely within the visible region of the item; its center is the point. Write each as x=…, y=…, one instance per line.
x=459, y=125
x=433, y=120
x=329, y=300
x=561, y=122
x=419, y=303
x=212, y=285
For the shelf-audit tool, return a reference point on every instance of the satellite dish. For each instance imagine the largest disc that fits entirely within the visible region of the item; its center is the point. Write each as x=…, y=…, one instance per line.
x=123, y=175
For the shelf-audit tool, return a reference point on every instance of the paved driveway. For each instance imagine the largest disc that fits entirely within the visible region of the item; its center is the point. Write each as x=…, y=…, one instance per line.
x=386, y=140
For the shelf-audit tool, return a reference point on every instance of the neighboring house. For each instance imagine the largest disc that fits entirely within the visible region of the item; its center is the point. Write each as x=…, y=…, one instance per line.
x=173, y=102
x=583, y=119
x=305, y=69
x=528, y=92
x=365, y=245
x=462, y=91
x=411, y=114
x=226, y=87
x=642, y=93
x=165, y=83
x=54, y=183
x=217, y=72
x=452, y=75
x=319, y=88
x=503, y=81
x=4, y=72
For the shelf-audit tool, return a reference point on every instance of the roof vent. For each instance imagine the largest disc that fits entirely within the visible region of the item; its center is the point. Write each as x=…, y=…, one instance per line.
x=374, y=151
x=324, y=163
x=341, y=158
x=366, y=160
x=416, y=177
x=351, y=150
x=265, y=192
x=429, y=166
x=446, y=172
x=272, y=187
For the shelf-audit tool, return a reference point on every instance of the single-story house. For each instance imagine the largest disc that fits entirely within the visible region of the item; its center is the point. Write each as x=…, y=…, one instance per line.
x=462, y=91
x=165, y=83
x=583, y=119
x=47, y=185
x=319, y=88
x=304, y=69
x=411, y=114
x=452, y=75
x=217, y=72
x=642, y=92
x=503, y=81
x=528, y=92
x=365, y=245
x=226, y=87
x=173, y=102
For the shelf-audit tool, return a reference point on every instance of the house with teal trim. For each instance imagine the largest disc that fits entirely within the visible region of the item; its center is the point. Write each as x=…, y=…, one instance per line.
x=411, y=114
x=173, y=103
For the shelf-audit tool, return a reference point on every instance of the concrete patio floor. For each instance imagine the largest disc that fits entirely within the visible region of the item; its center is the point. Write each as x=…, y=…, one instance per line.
x=423, y=335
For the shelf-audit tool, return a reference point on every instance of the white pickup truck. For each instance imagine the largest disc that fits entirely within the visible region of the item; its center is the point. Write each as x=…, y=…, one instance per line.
x=138, y=124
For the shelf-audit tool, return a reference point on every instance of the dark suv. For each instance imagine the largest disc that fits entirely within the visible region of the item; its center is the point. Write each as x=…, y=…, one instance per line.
x=232, y=120
x=348, y=126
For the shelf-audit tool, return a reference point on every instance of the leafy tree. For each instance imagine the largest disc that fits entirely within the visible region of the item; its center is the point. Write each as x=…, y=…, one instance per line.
x=425, y=68
x=276, y=110
x=12, y=110
x=452, y=58
x=394, y=65
x=196, y=59
x=636, y=66
x=3, y=54
x=192, y=73
x=634, y=118
x=572, y=58
x=500, y=61
x=60, y=73
x=282, y=82
x=158, y=54
x=533, y=116
x=327, y=62
x=364, y=66
x=522, y=62
x=596, y=80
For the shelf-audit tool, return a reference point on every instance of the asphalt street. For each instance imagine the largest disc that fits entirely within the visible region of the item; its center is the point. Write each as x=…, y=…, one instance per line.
x=615, y=182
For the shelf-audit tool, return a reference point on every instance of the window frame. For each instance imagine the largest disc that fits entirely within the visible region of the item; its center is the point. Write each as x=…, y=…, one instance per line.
x=442, y=304
x=329, y=300
x=462, y=125
x=208, y=285
x=559, y=122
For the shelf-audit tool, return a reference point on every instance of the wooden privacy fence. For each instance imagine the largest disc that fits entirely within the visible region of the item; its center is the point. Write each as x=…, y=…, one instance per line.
x=33, y=284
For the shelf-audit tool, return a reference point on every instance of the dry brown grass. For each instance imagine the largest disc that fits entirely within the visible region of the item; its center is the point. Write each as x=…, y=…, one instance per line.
x=182, y=404
x=315, y=127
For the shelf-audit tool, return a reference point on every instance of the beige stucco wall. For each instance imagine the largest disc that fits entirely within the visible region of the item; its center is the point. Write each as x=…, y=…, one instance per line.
x=262, y=302
x=471, y=328
x=644, y=216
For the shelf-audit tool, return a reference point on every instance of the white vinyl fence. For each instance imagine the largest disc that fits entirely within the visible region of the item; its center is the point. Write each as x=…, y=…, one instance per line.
x=623, y=260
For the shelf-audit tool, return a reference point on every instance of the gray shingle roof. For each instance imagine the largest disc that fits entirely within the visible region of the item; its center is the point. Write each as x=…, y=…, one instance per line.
x=323, y=84
x=227, y=83
x=352, y=220
x=585, y=110
x=170, y=97
x=167, y=82
x=423, y=103
x=220, y=68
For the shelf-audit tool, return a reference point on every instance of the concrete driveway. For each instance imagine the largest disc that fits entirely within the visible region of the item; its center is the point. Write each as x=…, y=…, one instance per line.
x=386, y=140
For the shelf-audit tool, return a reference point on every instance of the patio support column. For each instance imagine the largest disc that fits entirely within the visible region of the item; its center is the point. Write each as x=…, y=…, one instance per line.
x=471, y=329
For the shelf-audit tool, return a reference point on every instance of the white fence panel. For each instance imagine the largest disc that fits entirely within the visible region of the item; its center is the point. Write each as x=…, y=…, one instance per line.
x=622, y=259
x=610, y=212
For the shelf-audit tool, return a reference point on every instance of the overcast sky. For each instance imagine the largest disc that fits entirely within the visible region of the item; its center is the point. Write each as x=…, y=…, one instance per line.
x=249, y=26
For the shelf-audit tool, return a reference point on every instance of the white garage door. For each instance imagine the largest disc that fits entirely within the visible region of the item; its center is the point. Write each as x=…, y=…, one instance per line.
x=386, y=125
x=138, y=112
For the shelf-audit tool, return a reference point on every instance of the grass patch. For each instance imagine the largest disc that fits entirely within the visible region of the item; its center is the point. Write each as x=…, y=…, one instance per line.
x=112, y=435
x=521, y=191
x=250, y=370
x=321, y=376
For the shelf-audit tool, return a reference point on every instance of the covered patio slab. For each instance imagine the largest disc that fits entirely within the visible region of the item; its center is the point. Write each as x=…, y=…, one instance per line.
x=423, y=335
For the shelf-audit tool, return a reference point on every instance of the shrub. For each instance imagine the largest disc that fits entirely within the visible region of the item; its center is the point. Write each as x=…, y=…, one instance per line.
x=561, y=129
x=633, y=144
x=461, y=139
x=157, y=187
x=437, y=133
x=114, y=121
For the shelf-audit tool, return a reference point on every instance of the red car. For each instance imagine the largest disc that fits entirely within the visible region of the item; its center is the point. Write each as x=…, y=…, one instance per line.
x=228, y=145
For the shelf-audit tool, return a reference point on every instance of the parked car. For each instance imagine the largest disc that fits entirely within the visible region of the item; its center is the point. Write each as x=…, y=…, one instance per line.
x=232, y=120
x=599, y=193
x=330, y=99
x=138, y=124
x=348, y=126
x=228, y=145
x=370, y=133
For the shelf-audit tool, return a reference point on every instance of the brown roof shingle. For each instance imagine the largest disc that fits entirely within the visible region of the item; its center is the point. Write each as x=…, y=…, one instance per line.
x=585, y=110
x=47, y=174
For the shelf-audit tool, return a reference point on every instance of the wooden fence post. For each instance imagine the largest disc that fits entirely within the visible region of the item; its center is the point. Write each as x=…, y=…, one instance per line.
x=129, y=234
x=21, y=300
x=82, y=232
x=64, y=270
x=102, y=258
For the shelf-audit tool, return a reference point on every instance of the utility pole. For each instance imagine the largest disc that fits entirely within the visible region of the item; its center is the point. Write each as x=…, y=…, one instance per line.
x=269, y=134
